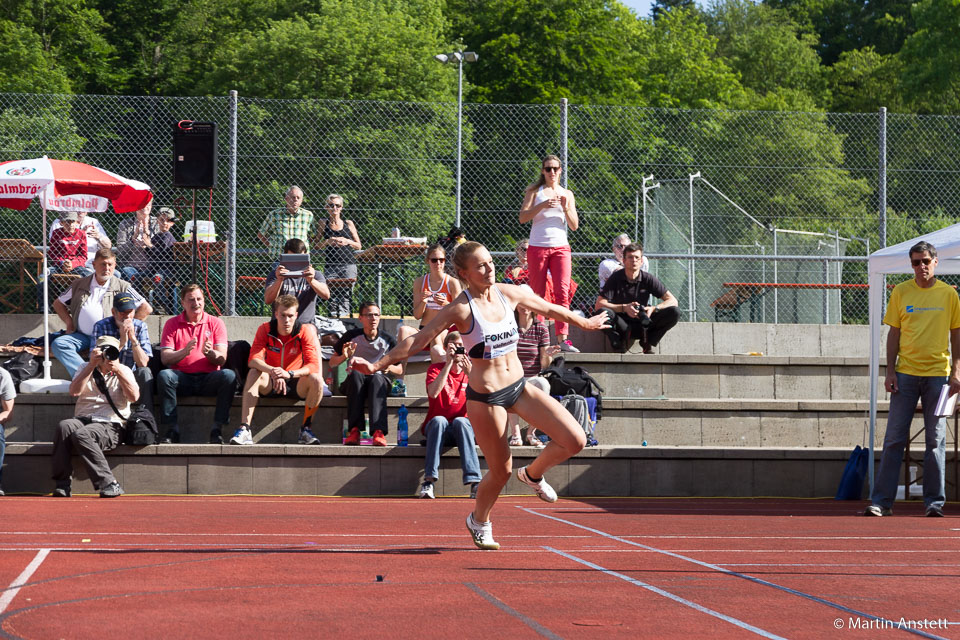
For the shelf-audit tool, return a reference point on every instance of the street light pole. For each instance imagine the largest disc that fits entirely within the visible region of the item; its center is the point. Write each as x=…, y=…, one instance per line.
x=459, y=127
x=460, y=57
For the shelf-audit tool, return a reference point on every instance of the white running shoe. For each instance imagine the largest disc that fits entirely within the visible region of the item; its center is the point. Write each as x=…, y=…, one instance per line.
x=242, y=436
x=426, y=490
x=482, y=534
x=544, y=491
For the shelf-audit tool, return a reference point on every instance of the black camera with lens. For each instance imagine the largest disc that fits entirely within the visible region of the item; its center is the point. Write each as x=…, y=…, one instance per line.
x=459, y=351
x=643, y=318
x=110, y=352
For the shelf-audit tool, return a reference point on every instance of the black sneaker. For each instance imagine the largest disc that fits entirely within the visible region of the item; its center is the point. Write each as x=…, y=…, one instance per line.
x=216, y=437
x=112, y=490
x=933, y=511
x=61, y=492
x=2, y=493
x=172, y=437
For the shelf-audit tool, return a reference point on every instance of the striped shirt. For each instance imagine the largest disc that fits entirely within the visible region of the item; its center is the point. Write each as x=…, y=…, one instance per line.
x=528, y=348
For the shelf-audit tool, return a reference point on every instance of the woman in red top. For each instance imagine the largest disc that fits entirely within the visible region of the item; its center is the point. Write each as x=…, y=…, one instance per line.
x=68, y=246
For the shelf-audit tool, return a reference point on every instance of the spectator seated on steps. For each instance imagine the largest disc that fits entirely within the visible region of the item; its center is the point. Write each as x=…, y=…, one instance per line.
x=88, y=301
x=284, y=362
x=193, y=347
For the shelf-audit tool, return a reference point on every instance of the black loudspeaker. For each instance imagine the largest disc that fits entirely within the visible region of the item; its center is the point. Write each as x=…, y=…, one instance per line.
x=195, y=154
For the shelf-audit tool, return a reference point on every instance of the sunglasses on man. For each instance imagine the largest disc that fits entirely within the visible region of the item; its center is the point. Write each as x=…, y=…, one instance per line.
x=918, y=261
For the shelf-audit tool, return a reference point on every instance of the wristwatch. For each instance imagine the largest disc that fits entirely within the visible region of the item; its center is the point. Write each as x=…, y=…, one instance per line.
x=291, y=374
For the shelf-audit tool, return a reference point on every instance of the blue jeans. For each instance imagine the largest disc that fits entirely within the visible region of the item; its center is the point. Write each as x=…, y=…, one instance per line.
x=129, y=273
x=442, y=433
x=171, y=383
x=67, y=350
x=903, y=403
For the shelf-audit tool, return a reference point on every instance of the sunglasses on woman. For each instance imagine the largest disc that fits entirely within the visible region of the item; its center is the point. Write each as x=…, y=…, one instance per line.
x=551, y=169
x=438, y=260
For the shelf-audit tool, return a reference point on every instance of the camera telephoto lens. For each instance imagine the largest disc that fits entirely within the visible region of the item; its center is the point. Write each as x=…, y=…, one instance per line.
x=111, y=352
x=643, y=318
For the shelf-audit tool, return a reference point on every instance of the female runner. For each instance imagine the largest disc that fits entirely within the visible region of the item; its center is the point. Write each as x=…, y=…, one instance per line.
x=483, y=313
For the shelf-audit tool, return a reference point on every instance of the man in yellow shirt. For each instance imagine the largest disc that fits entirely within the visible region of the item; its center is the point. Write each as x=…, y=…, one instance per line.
x=921, y=313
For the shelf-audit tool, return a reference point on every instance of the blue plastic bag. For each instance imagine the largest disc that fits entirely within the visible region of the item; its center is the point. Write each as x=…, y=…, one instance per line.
x=854, y=475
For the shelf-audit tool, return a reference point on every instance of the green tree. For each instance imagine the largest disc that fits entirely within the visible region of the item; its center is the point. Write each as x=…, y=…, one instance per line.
x=847, y=25
x=864, y=80
x=342, y=51
x=931, y=58
x=767, y=48
x=539, y=51
x=662, y=6
x=71, y=34
x=25, y=66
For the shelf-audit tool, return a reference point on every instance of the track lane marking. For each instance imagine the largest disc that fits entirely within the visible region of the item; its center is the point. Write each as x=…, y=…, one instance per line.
x=735, y=574
x=503, y=606
x=11, y=592
x=671, y=596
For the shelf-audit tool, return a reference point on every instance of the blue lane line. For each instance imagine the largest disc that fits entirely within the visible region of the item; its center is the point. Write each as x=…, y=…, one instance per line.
x=887, y=624
x=667, y=594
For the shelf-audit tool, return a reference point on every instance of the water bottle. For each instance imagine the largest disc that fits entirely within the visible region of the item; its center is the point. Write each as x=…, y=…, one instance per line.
x=395, y=232
x=402, y=426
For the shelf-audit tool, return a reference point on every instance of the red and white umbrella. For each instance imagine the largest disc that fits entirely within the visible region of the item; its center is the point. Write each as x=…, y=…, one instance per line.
x=23, y=180
x=65, y=185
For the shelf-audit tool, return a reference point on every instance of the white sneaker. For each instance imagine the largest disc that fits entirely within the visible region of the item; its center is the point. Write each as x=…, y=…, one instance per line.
x=242, y=436
x=482, y=534
x=544, y=491
x=426, y=490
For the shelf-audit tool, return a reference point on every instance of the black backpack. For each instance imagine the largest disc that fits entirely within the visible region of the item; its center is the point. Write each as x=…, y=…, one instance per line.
x=566, y=380
x=22, y=366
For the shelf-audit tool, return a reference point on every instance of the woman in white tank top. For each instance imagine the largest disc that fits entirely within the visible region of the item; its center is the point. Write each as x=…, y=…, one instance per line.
x=553, y=210
x=483, y=314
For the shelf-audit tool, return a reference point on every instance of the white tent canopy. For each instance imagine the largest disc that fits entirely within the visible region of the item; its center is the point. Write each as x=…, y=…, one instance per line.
x=896, y=259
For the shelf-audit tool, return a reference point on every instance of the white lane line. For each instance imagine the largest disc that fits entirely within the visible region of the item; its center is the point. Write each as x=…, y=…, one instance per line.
x=11, y=592
x=735, y=574
x=260, y=535
x=667, y=594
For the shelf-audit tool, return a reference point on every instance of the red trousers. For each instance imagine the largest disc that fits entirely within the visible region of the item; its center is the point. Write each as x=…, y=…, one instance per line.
x=551, y=263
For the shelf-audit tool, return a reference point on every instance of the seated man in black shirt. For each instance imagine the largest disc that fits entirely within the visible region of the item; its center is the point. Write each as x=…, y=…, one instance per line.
x=625, y=297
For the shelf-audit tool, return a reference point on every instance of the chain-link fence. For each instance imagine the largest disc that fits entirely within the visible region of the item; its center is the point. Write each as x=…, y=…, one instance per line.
x=749, y=188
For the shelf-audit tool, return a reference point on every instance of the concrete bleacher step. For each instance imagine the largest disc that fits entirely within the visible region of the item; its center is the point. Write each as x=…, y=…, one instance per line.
x=397, y=471
x=625, y=422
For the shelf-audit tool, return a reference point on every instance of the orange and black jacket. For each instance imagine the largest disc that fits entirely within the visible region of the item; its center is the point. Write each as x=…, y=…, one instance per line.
x=299, y=349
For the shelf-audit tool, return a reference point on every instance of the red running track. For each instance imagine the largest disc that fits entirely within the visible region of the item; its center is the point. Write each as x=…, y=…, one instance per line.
x=254, y=567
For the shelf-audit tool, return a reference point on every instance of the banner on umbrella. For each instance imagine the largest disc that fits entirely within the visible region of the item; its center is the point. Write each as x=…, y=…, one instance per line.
x=90, y=204
x=23, y=179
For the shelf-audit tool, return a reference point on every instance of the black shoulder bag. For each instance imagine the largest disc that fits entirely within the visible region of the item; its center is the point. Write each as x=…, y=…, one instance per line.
x=140, y=429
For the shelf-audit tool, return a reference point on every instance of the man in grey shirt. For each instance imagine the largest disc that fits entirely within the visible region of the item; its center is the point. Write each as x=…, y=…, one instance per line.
x=7, y=394
x=305, y=288
x=369, y=343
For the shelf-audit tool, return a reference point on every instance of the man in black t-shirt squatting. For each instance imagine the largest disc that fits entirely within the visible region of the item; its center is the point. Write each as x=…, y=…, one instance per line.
x=625, y=298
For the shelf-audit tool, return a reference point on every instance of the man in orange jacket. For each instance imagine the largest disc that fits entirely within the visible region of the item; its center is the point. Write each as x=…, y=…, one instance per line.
x=284, y=361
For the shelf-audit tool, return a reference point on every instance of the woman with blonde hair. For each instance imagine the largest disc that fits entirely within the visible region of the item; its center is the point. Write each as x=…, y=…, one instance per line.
x=483, y=314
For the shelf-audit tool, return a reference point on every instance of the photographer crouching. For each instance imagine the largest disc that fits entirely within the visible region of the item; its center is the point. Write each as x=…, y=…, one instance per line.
x=625, y=298
x=95, y=428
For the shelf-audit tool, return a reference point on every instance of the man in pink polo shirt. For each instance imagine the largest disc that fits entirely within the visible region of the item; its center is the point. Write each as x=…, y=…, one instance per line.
x=193, y=347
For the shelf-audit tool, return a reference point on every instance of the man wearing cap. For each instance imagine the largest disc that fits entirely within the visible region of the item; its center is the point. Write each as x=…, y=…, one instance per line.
x=90, y=300
x=95, y=428
x=134, y=339
x=134, y=239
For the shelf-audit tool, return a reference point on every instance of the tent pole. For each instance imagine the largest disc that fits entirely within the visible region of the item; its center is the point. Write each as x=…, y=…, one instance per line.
x=46, y=301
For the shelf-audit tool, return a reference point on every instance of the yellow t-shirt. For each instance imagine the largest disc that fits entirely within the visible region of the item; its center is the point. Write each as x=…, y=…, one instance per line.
x=925, y=318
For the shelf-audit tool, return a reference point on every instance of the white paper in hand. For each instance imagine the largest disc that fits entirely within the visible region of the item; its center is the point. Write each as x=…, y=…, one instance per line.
x=947, y=404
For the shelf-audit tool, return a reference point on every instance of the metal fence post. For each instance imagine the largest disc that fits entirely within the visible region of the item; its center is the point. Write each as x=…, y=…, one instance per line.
x=882, y=178
x=231, y=279
x=691, y=270
x=563, y=133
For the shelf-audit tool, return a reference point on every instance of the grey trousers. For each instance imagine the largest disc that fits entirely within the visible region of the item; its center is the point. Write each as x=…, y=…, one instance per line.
x=89, y=440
